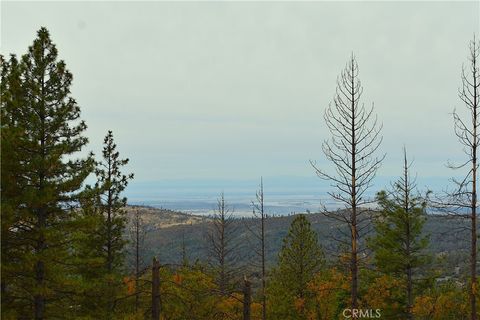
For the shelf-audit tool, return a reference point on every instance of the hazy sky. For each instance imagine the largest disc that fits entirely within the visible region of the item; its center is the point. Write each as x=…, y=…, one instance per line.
x=236, y=90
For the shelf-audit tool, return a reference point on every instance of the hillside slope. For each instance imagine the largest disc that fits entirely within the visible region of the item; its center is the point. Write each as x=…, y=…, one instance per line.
x=170, y=231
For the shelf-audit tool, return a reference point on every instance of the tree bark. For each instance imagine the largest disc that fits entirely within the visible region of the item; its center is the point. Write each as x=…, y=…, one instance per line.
x=155, y=290
x=473, y=259
x=247, y=298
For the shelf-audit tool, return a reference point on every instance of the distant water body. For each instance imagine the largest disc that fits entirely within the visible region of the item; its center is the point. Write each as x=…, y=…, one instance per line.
x=283, y=195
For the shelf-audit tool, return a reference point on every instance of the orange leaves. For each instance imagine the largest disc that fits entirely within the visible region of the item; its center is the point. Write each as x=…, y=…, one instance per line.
x=300, y=305
x=445, y=302
x=177, y=278
x=329, y=289
x=384, y=293
x=130, y=283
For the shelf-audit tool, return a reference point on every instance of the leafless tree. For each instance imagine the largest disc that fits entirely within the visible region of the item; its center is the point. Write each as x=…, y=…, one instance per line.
x=406, y=185
x=222, y=257
x=355, y=139
x=461, y=201
x=247, y=299
x=156, y=298
x=258, y=232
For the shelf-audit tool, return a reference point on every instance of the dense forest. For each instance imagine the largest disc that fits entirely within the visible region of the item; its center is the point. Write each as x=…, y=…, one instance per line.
x=72, y=250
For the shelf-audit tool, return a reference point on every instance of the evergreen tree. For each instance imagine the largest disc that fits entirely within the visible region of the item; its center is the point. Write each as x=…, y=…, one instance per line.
x=103, y=243
x=100, y=242
x=399, y=246
x=299, y=260
x=111, y=183
x=90, y=259
x=12, y=95
x=43, y=126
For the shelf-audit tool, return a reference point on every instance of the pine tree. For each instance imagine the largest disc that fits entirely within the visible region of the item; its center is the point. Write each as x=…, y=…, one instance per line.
x=111, y=182
x=100, y=240
x=299, y=260
x=12, y=96
x=48, y=135
x=399, y=245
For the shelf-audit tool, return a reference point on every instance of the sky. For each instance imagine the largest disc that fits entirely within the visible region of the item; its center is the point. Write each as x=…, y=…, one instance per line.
x=231, y=91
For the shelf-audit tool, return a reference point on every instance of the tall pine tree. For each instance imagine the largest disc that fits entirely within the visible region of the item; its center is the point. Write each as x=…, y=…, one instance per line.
x=100, y=240
x=111, y=182
x=399, y=245
x=48, y=134
x=12, y=184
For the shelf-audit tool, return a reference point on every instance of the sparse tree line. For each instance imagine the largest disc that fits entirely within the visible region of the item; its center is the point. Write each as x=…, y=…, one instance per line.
x=64, y=243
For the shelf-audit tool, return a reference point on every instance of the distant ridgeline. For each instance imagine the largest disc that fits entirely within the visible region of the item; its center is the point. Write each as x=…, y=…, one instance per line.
x=171, y=233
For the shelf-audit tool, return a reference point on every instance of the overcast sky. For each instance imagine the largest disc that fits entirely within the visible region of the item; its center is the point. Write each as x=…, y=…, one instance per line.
x=236, y=90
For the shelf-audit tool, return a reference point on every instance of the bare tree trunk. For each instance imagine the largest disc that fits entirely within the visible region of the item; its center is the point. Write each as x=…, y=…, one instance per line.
x=109, y=222
x=260, y=214
x=353, y=144
x=137, y=233
x=247, y=299
x=137, y=258
x=407, y=186
x=466, y=194
x=473, y=258
x=354, y=261
x=221, y=246
x=223, y=280
x=355, y=139
x=155, y=290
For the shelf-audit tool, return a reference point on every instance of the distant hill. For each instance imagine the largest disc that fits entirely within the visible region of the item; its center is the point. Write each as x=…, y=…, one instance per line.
x=158, y=218
x=169, y=231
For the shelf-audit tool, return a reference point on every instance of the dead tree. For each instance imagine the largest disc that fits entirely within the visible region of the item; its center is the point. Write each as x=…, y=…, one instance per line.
x=258, y=233
x=462, y=200
x=155, y=290
x=247, y=299
x=221, y=247
x=351, y=148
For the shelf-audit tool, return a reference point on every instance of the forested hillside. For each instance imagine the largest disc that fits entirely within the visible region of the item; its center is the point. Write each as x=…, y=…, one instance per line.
x=169, y=233
x=73, y=249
